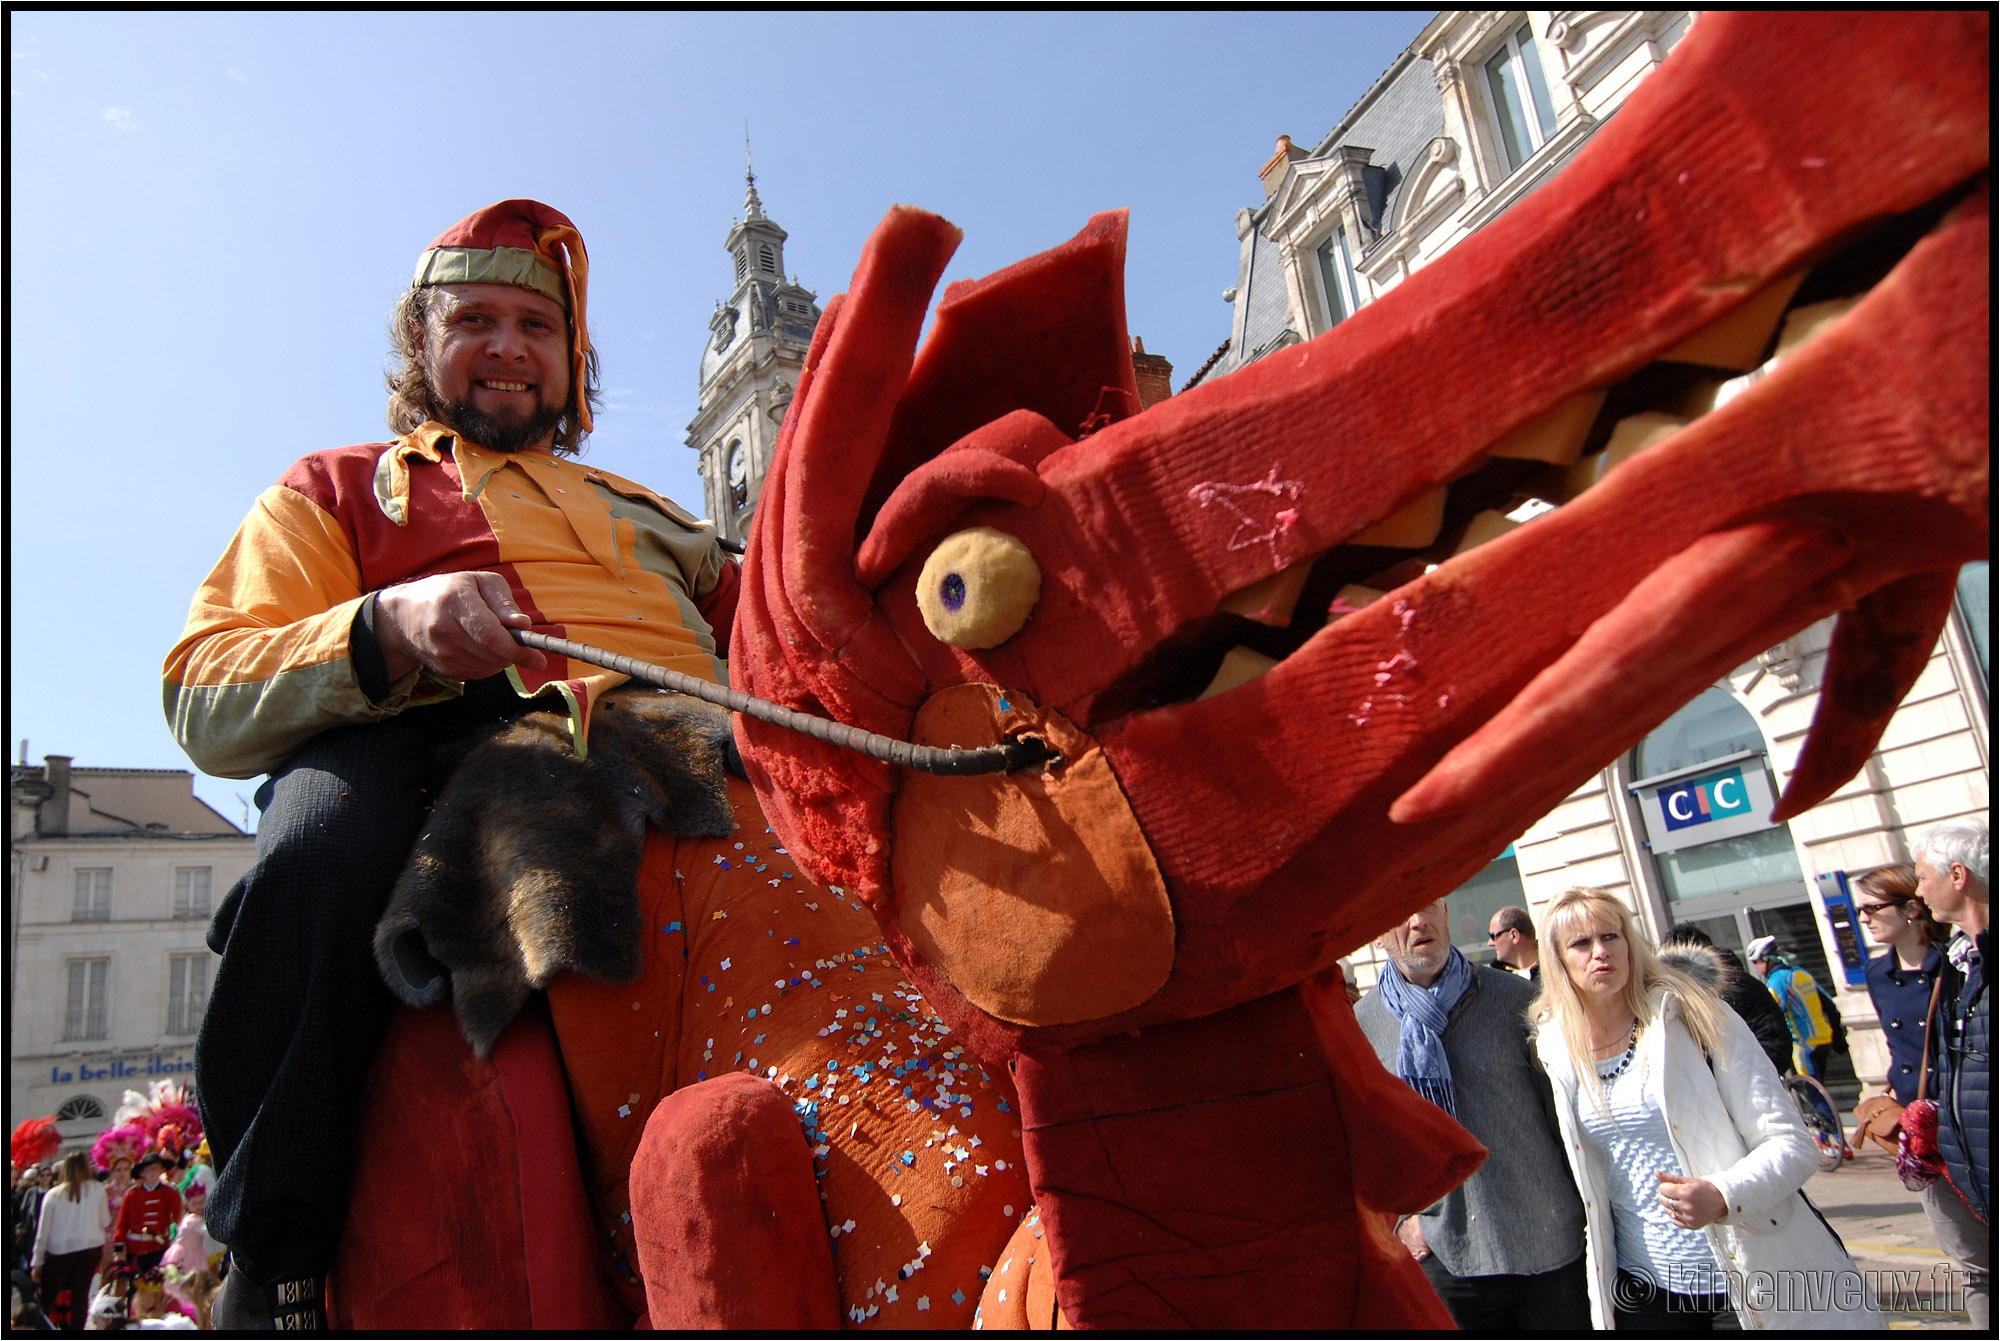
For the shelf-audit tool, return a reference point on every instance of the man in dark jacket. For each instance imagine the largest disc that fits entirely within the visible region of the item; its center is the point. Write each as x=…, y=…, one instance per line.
x=1744, y=995
x=1952, y=866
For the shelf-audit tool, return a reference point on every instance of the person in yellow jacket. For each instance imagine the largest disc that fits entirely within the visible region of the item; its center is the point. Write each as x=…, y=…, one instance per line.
x=1798, y=995
x=360, y=620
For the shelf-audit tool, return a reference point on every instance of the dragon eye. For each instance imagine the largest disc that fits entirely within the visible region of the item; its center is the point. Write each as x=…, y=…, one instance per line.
x=978, y=588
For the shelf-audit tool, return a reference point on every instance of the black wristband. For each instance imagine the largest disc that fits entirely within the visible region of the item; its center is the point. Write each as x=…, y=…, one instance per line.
x=364, y=650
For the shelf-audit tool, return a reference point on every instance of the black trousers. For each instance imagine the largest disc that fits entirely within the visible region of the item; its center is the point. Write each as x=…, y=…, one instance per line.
x=298, y=1007
x=1541, y=1304
x=1642, y=1306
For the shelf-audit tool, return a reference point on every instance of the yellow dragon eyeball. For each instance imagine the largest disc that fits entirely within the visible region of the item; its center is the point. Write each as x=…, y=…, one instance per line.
x=978, y=588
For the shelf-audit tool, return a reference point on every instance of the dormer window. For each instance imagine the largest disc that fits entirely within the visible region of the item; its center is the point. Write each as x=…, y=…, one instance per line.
x=1520, y=96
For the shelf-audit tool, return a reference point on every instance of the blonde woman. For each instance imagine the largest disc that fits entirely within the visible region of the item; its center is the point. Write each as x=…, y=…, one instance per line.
x=1687, y=1149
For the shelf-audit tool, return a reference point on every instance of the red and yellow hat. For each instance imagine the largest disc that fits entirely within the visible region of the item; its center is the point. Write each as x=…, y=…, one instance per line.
x=529, y=245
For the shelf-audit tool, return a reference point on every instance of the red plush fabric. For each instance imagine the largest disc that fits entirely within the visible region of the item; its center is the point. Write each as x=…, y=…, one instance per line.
x=468, y=1208
x=1199, y=1175
x=727, y=1216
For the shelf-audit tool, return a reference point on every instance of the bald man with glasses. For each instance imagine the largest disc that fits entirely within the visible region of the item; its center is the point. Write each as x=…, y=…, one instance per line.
x=1511, y=933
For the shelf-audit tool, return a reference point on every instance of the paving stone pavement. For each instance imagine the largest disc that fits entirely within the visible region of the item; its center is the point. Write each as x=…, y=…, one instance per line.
x=1884, y=1228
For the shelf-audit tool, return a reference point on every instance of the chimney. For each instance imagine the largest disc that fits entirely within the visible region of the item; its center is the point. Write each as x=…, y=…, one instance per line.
x=1273, y=171
x=1153, y=373
x=52, y=818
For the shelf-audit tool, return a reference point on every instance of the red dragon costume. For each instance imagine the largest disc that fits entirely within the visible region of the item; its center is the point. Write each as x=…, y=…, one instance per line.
x=1136, y=939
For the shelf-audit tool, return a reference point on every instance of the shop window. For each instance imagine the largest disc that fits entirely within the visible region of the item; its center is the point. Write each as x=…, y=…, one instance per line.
x=1473, y=904
x=1975, y=607
x=1712, y=726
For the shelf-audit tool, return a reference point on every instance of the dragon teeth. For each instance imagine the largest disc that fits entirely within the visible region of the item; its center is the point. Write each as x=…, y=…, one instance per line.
x=1629, y=437
x=1738, y=340
x=1239, y=666
x=1803, y=323
x=1272, y=600
x=1555, y=436
x=1485, y=526
x=1412, y=526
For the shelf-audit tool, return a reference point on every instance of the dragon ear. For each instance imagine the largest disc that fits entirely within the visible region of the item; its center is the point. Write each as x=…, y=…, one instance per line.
x=1046, y=335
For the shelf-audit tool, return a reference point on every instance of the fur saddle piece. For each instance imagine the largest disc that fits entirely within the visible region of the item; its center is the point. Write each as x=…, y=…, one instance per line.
x=530, y=861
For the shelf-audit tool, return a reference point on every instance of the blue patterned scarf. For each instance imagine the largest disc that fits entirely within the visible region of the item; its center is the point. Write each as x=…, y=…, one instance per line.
x=1423, y=1013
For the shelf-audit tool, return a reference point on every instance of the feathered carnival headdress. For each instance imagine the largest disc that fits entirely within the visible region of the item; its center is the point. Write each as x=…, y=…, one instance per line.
x=163, y=1118
x=34, y=1141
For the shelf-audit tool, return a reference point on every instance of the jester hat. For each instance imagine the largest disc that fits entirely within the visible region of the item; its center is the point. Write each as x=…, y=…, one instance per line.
x=530, y=246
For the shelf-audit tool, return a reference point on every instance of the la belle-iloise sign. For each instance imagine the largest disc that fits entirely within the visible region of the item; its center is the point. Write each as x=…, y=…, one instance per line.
x=123, y=1068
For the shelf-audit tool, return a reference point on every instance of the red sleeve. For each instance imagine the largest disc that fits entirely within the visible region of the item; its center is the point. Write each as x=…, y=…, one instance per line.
x=719, y=606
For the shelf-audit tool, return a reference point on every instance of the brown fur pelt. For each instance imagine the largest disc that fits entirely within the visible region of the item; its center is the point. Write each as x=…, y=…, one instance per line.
x=529, y=863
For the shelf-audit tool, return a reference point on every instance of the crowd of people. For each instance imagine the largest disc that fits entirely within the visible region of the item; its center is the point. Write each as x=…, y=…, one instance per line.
x=103, y=1246
x=1647, y=1161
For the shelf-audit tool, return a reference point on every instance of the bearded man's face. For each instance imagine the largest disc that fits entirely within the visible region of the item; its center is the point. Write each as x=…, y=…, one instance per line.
x=497, y=360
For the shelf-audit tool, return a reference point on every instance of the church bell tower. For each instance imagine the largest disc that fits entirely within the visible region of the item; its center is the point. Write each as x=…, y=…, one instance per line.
x=750, y=365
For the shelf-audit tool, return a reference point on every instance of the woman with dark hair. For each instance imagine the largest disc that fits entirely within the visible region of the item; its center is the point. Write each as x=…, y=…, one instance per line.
x=69, y=1245
x=1901, y=978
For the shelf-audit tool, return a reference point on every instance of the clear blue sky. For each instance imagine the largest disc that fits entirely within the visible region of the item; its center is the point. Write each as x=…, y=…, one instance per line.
x=212, y=214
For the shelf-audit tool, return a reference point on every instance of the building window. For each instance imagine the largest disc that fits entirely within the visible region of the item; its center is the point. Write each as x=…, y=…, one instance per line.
x=1520, y=96
x=1975, y=606
x=93, y=895
x=187, y=992
x=742, y=263
x=1338, y=288
x=767, y=258
x=1473, y=904
x=191, y=885
x=85, y=1016
x=82, y=1108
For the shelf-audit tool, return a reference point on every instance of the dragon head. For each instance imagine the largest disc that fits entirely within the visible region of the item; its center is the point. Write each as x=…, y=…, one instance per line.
x=1297, y=671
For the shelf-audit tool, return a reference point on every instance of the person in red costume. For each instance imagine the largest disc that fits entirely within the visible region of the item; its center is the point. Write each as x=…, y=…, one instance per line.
x=147, y=1217
x=359, y=621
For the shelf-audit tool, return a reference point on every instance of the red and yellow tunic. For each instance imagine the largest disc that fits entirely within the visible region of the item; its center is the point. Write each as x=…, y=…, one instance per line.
x=265, y=664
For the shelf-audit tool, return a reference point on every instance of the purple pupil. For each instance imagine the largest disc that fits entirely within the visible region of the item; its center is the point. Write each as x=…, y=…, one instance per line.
x=953, y=591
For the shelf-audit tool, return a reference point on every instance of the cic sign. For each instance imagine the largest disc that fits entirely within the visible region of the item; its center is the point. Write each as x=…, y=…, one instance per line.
x=1724, y=798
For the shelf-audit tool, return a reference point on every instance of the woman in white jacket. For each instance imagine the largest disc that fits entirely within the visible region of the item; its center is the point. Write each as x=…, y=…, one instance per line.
x=1688, y=1151
x=69, y=1240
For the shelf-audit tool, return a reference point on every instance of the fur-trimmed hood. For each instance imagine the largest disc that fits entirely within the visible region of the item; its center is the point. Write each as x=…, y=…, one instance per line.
x=1704, y=963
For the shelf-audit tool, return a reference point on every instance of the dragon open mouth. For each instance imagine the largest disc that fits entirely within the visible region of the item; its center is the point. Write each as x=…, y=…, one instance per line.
x=1535, y=469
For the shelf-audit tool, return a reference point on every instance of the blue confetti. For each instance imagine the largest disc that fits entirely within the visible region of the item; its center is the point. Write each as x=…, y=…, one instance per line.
x=1005, y=706
x=909, y=1157
x=671, y=927
x=1004, y=1108
x=958, y=1296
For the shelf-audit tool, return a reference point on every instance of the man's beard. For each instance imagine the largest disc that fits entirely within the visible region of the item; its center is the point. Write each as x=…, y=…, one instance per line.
x=492, y=434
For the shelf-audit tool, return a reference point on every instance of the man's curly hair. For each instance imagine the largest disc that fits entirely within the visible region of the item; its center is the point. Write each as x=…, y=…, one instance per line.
x=411, y=402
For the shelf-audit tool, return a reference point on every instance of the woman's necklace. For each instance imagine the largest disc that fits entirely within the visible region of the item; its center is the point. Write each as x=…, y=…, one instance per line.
x=1631, y=1050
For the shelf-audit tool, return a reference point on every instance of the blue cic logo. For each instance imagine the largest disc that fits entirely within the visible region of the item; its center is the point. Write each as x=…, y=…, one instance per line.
x=1717, y=796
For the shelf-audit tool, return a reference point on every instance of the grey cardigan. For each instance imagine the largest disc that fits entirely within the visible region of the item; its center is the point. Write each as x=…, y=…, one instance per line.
x=1519, y=1215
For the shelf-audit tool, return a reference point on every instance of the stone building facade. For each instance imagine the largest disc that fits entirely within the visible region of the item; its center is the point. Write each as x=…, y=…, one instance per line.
x=113, y=876
x=1479, y=110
